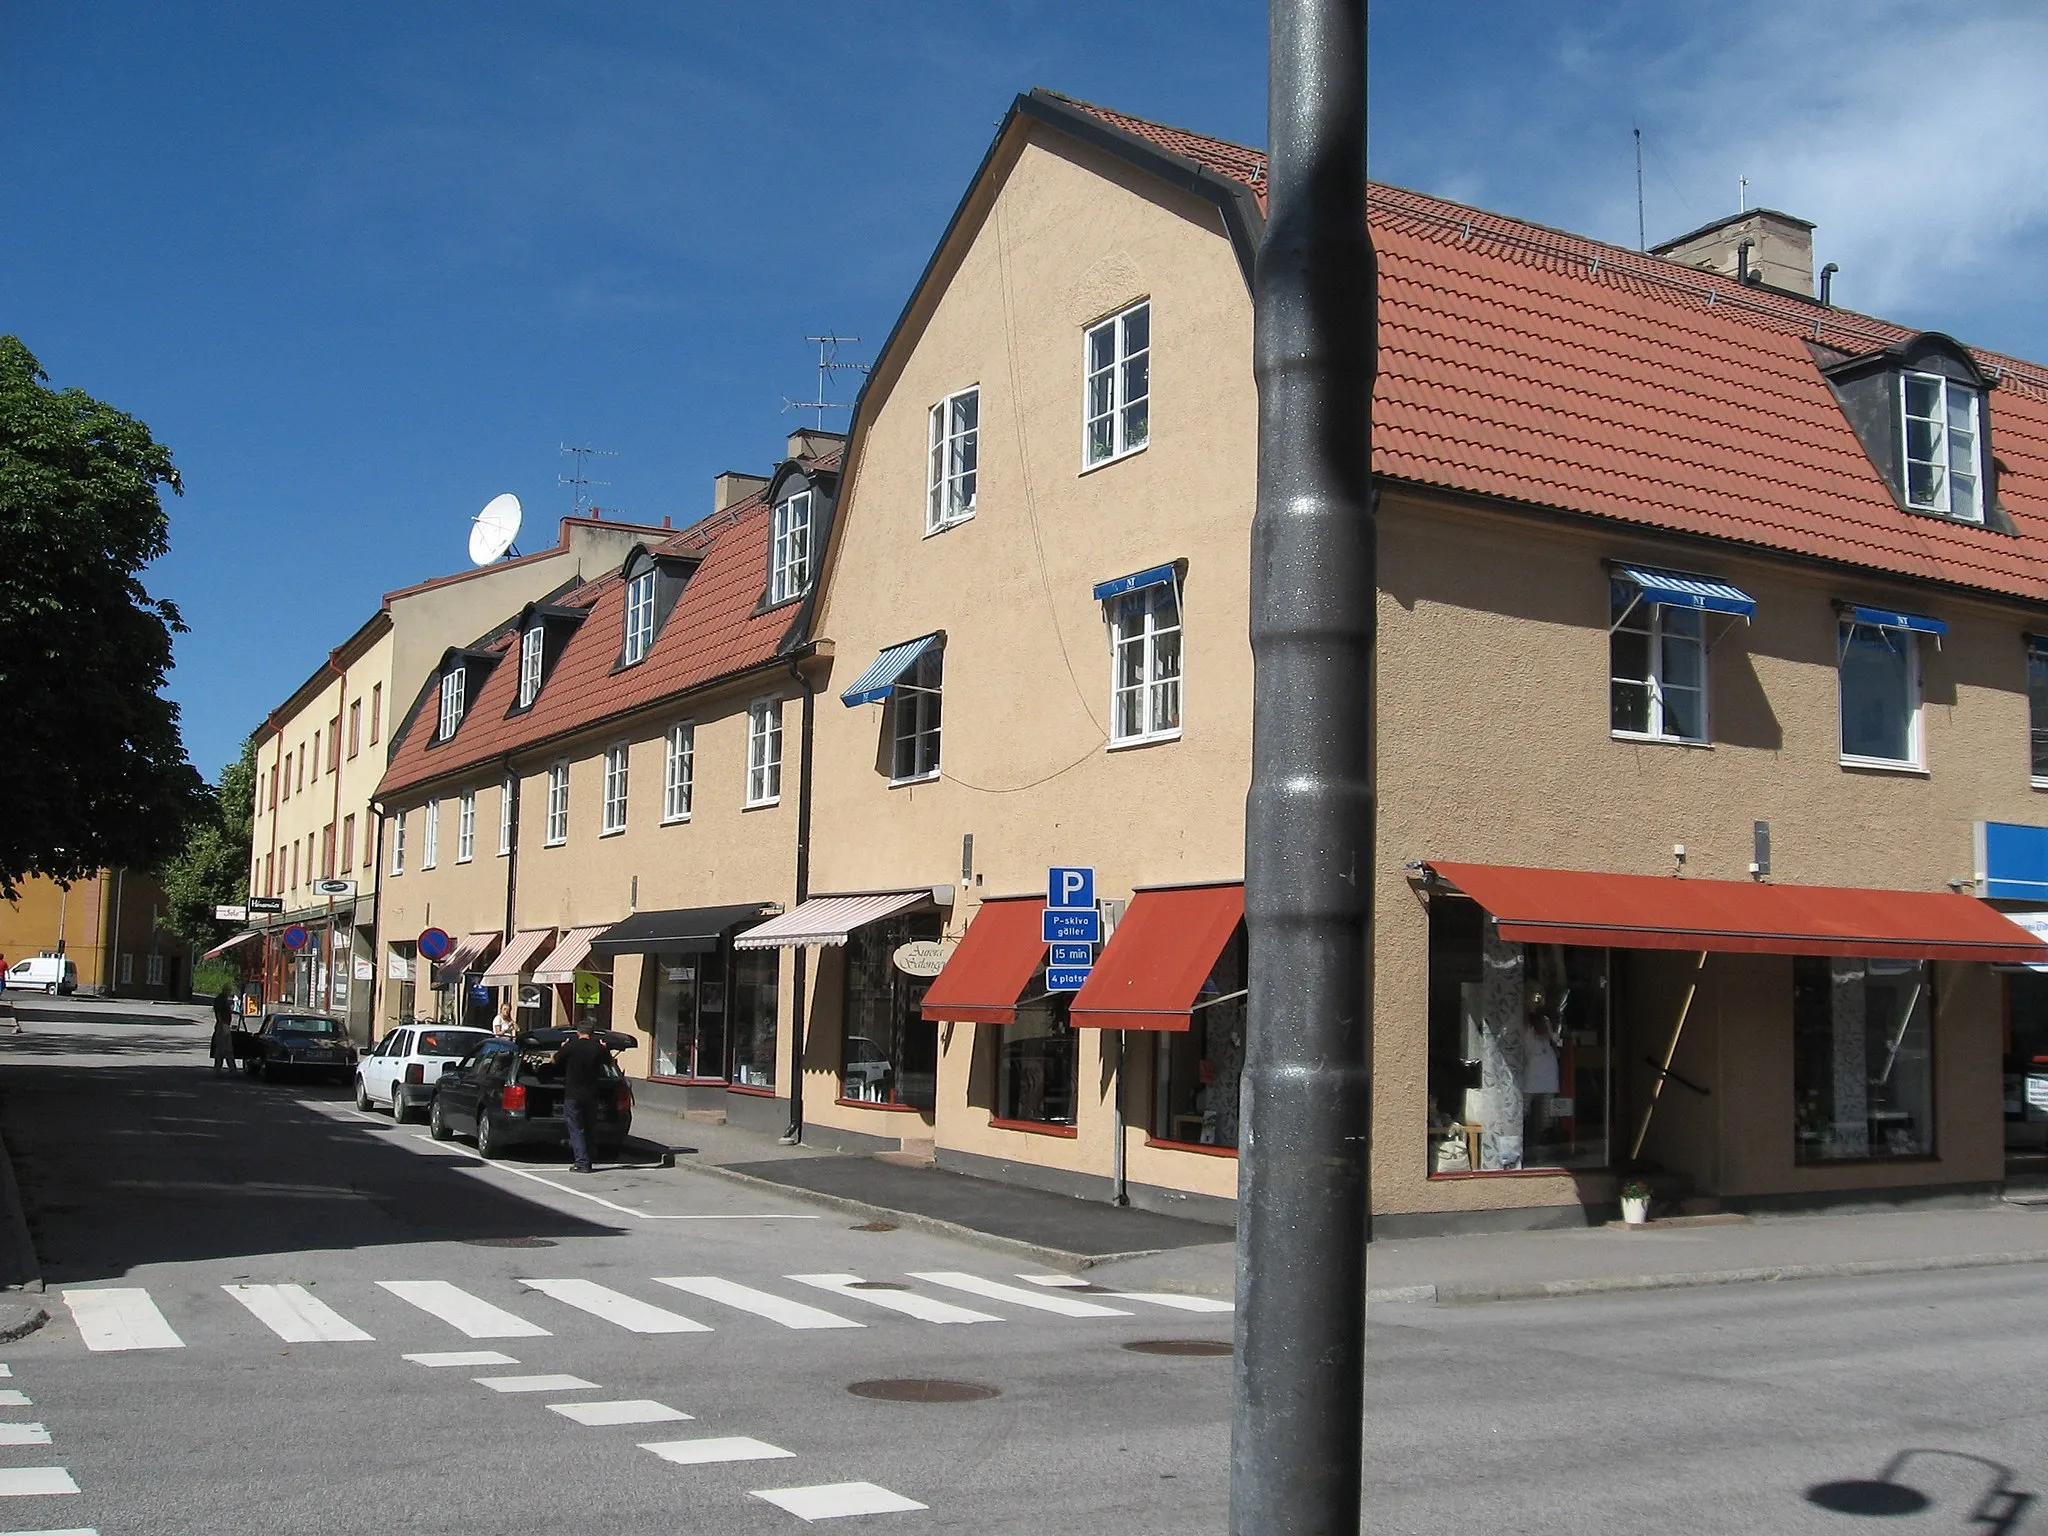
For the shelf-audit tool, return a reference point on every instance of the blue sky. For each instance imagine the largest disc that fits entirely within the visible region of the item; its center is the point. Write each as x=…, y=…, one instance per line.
x=362, y=267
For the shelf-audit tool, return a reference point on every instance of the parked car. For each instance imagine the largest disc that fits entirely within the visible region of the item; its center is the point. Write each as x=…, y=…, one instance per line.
x=509, y=1093
x=53, y=973
x=298, y=1042
x=401, y=1072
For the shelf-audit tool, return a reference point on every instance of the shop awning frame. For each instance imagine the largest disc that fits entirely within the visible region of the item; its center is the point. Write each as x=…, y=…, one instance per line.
x=1887, y=618
x=227, y=944
x=1677, y=589
x=1609, y=911
x=1150, y=974
x=567, y=957
x=986, y=974
x=678, y=930
x=879, y=682
x=829, y=919
x=1137, y=581
x=461, y=960
x=517, y=957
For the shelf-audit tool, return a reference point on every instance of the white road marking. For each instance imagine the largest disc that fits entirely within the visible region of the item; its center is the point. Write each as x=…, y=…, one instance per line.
x=6, y=1370
x=614, y=1307
x=832, y=1501
x=10, y=1398
x=74, y=1530
x=120, y=1317
x=20, y=1482
x=438, y=1357
x=635, y=1410
x=995, y=1290
x=24, y=1434
x=295, y=1314
x=909, y=1303
x=460, y=1310
x=612, y=1205
x=694, y=1453
x=1157, y=1298
x=536, y=1383
x=777, y=1309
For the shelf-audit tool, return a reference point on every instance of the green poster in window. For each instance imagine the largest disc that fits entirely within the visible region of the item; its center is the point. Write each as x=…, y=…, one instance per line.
x=586, y=988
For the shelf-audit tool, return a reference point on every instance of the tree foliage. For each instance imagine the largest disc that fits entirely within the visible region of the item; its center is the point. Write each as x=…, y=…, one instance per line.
x=212, y=869
x=93, y=771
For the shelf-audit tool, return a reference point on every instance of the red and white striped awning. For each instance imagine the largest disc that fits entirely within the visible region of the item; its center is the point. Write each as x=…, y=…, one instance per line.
x=561, y=966
x=517, y=957
x=828, y=919
x=222, y=948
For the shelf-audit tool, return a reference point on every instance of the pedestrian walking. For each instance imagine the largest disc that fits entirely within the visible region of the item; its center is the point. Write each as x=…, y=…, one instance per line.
x=223, y=1031
x=583, y=1061
x=7, y=1013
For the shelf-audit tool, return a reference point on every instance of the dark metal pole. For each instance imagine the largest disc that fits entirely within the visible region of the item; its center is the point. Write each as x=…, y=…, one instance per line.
x=1298, y=1407
x=795, y=1134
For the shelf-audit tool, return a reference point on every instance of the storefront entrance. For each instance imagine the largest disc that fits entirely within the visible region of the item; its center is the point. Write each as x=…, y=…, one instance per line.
x=890, y=1051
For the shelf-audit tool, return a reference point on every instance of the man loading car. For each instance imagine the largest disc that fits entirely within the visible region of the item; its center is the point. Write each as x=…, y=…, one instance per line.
x=583, y=1061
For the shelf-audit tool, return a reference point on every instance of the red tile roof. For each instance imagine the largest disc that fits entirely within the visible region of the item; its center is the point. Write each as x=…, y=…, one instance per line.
x=1541, y=367
x=714, y=632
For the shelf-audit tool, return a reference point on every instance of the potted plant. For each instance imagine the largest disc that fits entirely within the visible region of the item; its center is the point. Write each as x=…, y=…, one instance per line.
x=1635, y=1202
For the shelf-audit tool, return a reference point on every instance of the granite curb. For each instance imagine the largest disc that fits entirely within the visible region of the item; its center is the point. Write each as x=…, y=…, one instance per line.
x=19, y=1319
x=1471, y=1294
x=938, y=1226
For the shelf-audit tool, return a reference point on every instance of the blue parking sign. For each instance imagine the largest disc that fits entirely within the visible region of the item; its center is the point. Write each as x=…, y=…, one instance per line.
x=1069, y=888
x=1072, y=954
x=1079, y=927
x=1066, y=981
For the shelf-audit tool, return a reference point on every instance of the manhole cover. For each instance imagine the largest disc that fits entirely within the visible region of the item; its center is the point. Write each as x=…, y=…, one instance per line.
x=510, y=1242
x=915, y=1390
x=875, y=1226
x=1178, y=1347
x=876, y=1285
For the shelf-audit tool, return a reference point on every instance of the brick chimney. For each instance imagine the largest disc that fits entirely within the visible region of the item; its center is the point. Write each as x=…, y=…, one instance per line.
x=734, y=485
x=1780, y=253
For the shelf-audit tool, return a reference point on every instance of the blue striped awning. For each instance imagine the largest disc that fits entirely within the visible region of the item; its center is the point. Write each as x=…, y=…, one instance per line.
x=880, y=680
x=1137, y=581
x=1678, y=590
x=1884, y=618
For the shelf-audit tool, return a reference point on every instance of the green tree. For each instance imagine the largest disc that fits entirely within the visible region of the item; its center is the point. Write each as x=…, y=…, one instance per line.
x=212, y=869
x=93, y=772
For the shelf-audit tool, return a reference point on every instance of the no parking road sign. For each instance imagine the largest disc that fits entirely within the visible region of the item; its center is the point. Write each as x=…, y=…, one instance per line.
x=434, y=943
x=295, y=937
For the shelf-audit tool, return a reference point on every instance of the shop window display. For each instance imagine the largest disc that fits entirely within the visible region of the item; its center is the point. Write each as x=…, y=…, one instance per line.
x=890, y=1053
x=1198, y=1071
x=754, y=976
x=1035, y=1060
x=689, y=1016
x=1519, y=1071
x=2026, y=1063
x=1863, y=1059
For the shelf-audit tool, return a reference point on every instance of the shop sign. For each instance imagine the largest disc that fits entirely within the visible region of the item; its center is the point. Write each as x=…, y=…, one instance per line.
x=2037, y=1093
x=271, y=904
x=921, y=957
x=228, y=914
x=529, y=997
x=681, y=972
x=337, y=889
x=399, y=966
x=366, y=969
x=587, y=988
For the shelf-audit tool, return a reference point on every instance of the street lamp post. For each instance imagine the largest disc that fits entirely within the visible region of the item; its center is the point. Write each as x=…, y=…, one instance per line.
x=1298, y=1406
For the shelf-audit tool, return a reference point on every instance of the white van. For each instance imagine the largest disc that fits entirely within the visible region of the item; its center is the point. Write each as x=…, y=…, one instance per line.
x=53, y=973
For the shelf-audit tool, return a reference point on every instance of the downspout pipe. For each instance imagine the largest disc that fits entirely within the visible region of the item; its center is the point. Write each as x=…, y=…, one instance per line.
x=1297, y=1409
x=798, y=1002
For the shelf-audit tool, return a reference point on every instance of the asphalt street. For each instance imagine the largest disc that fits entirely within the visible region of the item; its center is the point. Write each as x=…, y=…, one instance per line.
x=270, y=1313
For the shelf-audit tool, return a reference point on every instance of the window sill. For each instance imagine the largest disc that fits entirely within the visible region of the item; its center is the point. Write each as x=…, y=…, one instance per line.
x=933, y=530
x=612, y=832
x=1116, y=458
x=751, y=1090
x=504, y=853
x=1033, y=1127
x=2039, y=783
x=922, y=778
x=1645, y=739
x=1189, y=1146
x=1883, y=765
x=470, y=860
x=1515, y=1173
x=555, y=842
x=425, y=867
x=762, y=805
x=1157, y=738
x=675, y=821
x=1865, y=1161
x=890, y=1109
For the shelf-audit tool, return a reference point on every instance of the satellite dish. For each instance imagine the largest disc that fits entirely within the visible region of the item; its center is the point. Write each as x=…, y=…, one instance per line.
x=492, y=530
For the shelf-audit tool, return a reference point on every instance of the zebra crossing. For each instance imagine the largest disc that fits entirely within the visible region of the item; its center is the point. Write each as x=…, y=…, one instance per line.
x=31, y=1482
x=112, y=1319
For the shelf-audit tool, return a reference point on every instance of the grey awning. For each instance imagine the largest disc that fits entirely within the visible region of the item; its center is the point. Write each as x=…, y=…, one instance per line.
x=678, y=931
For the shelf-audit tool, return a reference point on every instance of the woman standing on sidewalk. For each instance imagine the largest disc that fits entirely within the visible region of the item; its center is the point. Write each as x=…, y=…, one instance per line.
x=223, y=1031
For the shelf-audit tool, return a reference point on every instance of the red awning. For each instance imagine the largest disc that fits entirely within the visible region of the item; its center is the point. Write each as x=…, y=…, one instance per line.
x=996, y=959
x=1562, y=906
x=1151, y=971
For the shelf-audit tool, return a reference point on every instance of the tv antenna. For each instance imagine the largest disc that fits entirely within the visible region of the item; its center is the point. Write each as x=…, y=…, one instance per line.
x=828, y=364
x=1642, y=237
x=492, y=531
x=583, y=453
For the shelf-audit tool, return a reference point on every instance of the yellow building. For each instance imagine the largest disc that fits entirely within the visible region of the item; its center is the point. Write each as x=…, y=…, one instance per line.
x=107, y=926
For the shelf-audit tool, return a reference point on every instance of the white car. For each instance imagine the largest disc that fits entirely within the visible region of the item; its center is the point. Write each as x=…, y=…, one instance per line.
x=53, y=973
x=401, y=1072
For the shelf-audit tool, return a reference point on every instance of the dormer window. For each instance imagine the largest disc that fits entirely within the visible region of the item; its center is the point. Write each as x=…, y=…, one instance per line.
x=1941, y=435
x=532, y=651
x=451, y=701
x=789, y=551
x=639, y=616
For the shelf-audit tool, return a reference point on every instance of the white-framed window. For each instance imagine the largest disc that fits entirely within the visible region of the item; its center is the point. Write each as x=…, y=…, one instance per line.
x=954, y=458
x=1880, y=679
x=914, y=719
x=155, y=972
x=532, y=649
x=614, y=790
x=1941, y=437
x=639, y=616
x=430, y=839
x=789, y=551
x=1657, y=668
x=398, y=843
x=1116, y=406
x=507, y=797
x=465, y=827
x=678, y=772
x=451, y=701
x=127, y=967
x=764, y=752
x=558, y=805
x=1145, y=664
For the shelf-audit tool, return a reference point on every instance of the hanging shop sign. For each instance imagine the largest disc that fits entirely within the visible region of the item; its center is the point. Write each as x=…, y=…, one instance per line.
x=529, y=997
x=398, y=966
x=266, y=904
x=230, y=914
x=336, y=889
x=587, y=988
x=296, y=937
x=921, y=957
x=366, y=969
